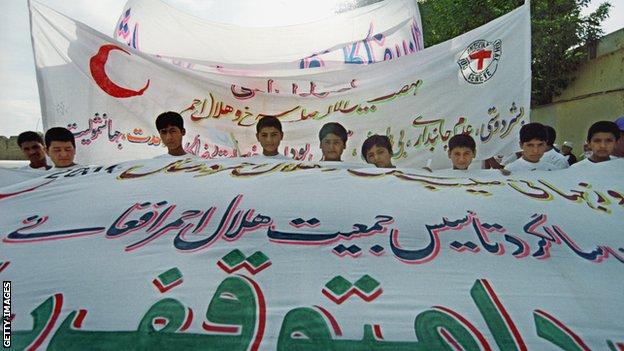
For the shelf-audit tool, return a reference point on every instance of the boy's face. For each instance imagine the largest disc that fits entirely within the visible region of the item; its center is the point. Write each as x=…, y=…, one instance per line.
x=602, y=144
x=379, y=156
x=33, y=150
x=461, y=157
x=269, y=138
x=62, y=153
x=533, y=150
x=332, y=147
x=171, y=136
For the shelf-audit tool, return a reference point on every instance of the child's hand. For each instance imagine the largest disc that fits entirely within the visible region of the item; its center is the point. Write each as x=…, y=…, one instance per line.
x=505, y=172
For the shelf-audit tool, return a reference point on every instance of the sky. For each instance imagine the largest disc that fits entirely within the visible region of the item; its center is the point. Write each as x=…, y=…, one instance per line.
x=19, y=98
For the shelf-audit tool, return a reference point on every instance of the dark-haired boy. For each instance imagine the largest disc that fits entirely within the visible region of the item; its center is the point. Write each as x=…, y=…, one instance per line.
x=602, y=137
x=333, y=141
x=551, y=155
x=170, y=126
x=60, y=147
x=377, y=150
x=533, y=141
x=32, y=146
x=462, y=149
x=269, y=134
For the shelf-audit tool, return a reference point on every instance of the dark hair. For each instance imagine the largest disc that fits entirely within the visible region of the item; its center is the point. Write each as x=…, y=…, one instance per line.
x=169, y=118
x=269, y=121
x=462, y=140
x=603, y=127
x=29, y=136
x=333, y=128
x=552, y=135
x=59, y=134
x=532, y=131
x=376, y=140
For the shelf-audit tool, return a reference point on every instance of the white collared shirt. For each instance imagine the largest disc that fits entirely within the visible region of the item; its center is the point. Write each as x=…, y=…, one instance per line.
x=586, y=162
x=40, y=169
x=521, y=165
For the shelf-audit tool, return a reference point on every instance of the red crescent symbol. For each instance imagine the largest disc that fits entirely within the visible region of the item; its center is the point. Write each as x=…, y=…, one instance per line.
x=98, y=72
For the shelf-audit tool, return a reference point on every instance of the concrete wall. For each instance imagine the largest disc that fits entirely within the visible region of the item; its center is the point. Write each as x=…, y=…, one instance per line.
x=597, y=93
x=9, y=149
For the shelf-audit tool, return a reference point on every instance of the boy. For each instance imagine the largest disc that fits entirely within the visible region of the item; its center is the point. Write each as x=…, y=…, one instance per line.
x=31, y=144
x=333, y=140
x=533, y=138
x=551, y=155
x=269, y=134
x=462, y=149
x=60, y=147
x=377, y=150
x=170, y=126
x=601, y=138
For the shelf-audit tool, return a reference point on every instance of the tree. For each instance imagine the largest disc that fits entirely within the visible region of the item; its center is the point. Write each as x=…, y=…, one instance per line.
x=560, y=34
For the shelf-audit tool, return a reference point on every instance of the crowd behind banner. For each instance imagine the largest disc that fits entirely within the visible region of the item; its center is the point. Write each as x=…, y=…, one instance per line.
x=605, y=141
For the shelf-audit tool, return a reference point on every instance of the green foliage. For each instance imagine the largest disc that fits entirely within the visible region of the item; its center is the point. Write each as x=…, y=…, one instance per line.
x=559, y=32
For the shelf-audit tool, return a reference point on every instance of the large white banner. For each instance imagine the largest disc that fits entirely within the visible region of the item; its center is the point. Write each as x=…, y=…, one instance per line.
x=109, y=95
x=248, y=254
x=366, y=35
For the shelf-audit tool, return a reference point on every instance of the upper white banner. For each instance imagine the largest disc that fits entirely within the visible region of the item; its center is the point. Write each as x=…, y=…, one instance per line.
x=366, y=35
x=109, y=95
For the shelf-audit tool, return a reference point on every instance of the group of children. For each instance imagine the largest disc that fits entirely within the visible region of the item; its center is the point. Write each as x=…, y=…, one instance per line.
x=538, y=153
x=536, y=142
x=59, y=145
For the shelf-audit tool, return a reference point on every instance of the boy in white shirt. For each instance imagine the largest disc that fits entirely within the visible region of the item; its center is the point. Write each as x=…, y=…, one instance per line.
x=333, y=140
x=269, y=134
x=170, y=126
x=61, y=147
x=31, y=144
x=462, y=149
x=377, y=150
x=601, y=138
x=533, y=137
